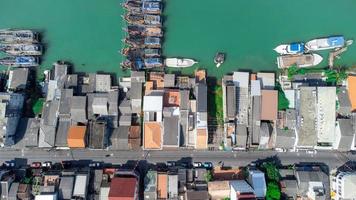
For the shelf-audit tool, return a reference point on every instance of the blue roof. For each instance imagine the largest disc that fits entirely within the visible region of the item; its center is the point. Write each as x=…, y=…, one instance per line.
x=336, y=41
x=23, y=59
x=297, y=47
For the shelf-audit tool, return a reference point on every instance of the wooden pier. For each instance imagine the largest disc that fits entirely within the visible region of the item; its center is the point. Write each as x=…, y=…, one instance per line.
x=335, y=54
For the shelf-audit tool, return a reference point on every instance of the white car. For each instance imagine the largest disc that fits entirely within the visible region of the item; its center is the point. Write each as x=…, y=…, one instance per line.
x=47, y=164
x=197, y=164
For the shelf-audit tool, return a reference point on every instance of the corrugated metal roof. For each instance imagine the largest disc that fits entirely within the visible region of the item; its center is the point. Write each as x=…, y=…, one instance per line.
x=66, y=187
x=80, y=186
x=241, y=79
x=255, y=88
x=231, y=100
x=123, y=187
x=152, y=103
x=171, y=131
x=202, y=97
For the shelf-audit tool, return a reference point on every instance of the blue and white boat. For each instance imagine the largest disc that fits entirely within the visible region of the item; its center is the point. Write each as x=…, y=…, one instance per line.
x=152, y=42
x=289, y=49
x=151, y=7
x=153, y=62
x=20, y=61
x=325, y=43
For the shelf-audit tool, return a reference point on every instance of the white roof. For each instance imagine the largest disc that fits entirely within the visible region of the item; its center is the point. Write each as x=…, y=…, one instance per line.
x=152, y=103
x=80, y=186
x=255, y=88
x=268, y=79
x=241, y=79
x=290, y=95
x=46, y=197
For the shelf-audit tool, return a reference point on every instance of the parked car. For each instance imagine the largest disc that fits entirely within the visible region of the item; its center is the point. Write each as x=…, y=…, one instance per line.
x=185, y=164
x=36, y=165
x=47, y=164
x=66, y=164
x=171, y=163
x=10, y=163
x=95, y=164
x=208, y=165
x=197, y=164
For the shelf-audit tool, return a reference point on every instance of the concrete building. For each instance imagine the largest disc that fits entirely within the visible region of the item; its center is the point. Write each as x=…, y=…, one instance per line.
x=172, y=186
x=242, y=84
x=150, y=185
x=18, y=78
x=343, y=185
x=219, y=189
x=344, y=135
x=81, y=186
x=268, y=80
x=11, y=105
x=240, y=189
x=344, y=107
x=257, y=180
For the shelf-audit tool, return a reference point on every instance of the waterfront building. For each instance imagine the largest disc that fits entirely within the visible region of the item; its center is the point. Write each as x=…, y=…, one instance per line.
x=351, y=87
x=18, y=79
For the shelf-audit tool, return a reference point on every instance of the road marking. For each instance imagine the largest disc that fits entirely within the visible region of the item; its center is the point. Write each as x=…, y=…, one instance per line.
x=235, y=155
x=22, y=152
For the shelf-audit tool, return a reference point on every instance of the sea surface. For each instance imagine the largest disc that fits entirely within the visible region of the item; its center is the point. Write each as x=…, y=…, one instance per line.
x=88, y=33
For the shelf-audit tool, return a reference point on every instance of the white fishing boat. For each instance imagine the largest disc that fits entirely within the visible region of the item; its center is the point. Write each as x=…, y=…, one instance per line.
x=289, y=49
x=303, y=60
x=325, y=43
x=179, y=62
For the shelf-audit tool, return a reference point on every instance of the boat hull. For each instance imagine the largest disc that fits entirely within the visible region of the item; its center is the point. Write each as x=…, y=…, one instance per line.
x=325, y=43
x=179, y=62
x=304, y=60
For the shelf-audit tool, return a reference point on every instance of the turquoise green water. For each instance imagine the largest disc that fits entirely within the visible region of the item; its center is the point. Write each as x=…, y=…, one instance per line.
x=85, y=32
x=248, y=30
x=88, y=32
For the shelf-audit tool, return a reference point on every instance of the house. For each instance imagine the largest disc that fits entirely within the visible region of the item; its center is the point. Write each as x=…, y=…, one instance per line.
x=102, y=83
x=288, y=184
x=196, y=195
x=344, y=107
x=169, y=80
x=285, y=139
x=343, y=185
x=30, y=130
x=241, y=136
x=265, y=134
x=78, y=109
x=77, y=137
x=150, y=185
x=134, y=142
x=65, y=190
x=257, y=180
x=171, y=131
x=98, y=133
x=49, y=123
x=124, y=188
x=152, y=136
x=162, y=186
x=240, y=189
x=269, y=105
x=172, y=186
x=11, y=105
x=153, y=107
x=312, y=183
x=351, y=87
x=344, y=135
x=119, y=138
x=62, y=131
x=81, y=186
x=241, y=81
x=267, y=79
x=255, y=121
x=18, y=78
x=219, y=189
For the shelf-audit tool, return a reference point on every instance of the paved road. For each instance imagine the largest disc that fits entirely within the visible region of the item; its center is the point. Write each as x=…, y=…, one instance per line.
x=332, y=159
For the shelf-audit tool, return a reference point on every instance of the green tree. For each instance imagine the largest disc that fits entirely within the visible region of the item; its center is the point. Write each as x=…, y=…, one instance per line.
x=272, y=172
x=273, y=191
x=208, y=176
x=283, y=102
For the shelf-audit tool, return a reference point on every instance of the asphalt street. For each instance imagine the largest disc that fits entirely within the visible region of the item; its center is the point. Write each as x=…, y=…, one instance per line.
x=332, y=159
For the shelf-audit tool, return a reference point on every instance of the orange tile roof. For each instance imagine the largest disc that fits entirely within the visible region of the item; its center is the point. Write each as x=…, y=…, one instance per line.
x=162, y=186
x=158, y=80
x=148, y=87
x=152, y=135
x=351, y=84
x=171, y=98
x=227, y=174
x=269, y=107
x=202, y=138
x=76, y=136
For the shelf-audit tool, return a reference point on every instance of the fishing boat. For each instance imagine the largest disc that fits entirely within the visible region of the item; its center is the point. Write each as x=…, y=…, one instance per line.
x=179, y=62
x=153, y=62
x=22, y=49
x=154, y=20
x=219, y=59
x=152, y=42
x=149, y=7
x=134, y=19
x=325, y=43
x=152, y=52
x=289, y=49
x=20, y=61
x=135, y=42
x=134, y=7
x=302, y=60
x=153, y=32
x=18, y=36
x=152, y=0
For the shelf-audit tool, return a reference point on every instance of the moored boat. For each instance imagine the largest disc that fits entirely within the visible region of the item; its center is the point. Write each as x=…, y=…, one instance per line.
x=135, y=42
x=152, y=42
x=151, y=7
x=302, y=60
x=20, y=61
x=325, y=43
x=134, y=19
x=219, y=59
x=179, y=62
x=153, y=62
x=18, y=36
x=153, y=32
x=22, y=49
x=154, y=20
x=293, y=48
x=152, y=52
